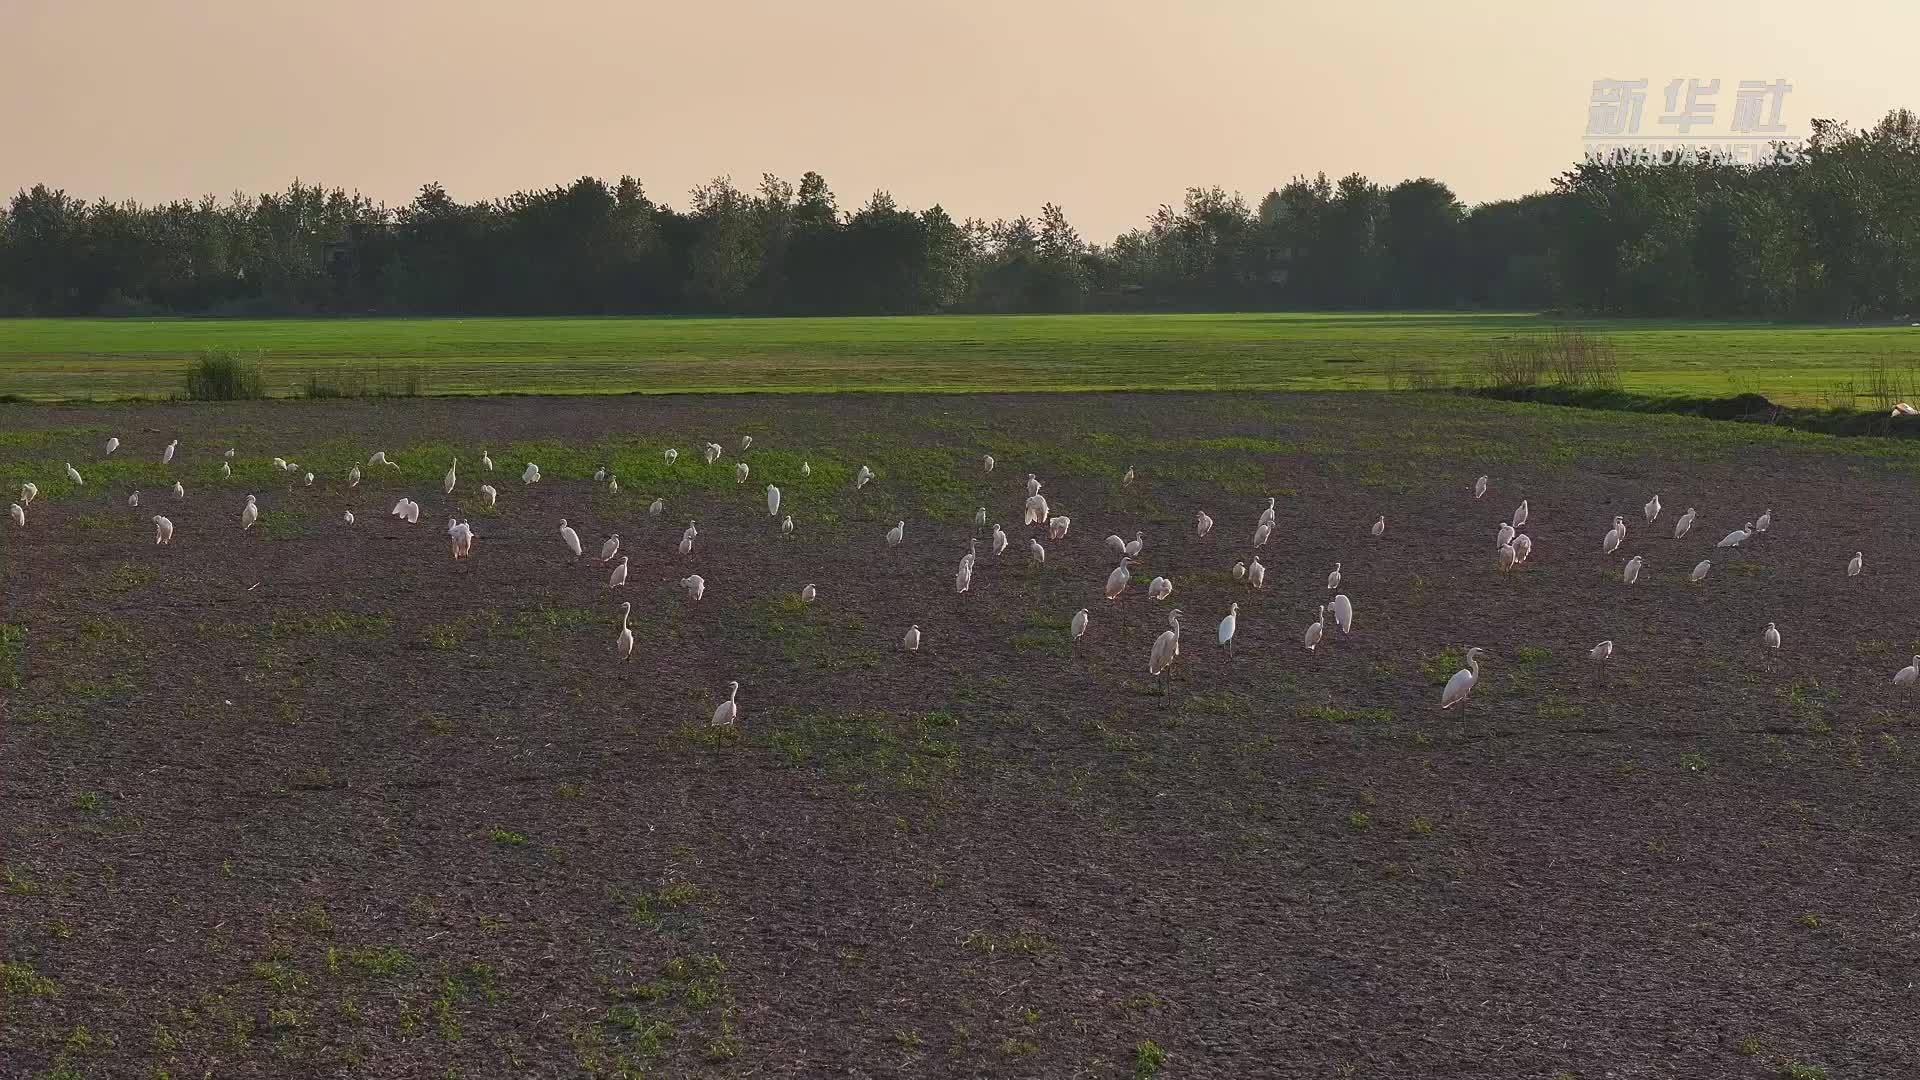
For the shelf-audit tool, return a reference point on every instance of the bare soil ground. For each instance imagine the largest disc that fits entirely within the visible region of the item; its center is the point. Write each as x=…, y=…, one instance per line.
x=314, y=800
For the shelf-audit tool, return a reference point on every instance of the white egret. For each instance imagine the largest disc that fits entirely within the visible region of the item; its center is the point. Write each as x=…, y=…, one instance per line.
x=986, y=462
x=695, y=585
x=309, y=481
x=1505, y=557
x=807, y=593
x=1134, y=545
x=179, y=490
x=963, y=580
x=113, y=443
x=806, y=469
x=1853, y=565
x=379, y=458
x=18, y=513
x=162, y=530
x=28, y=491
x=1159, y=588
x=670, y=454
x=400, y=507
x=1077, y=626
x=347, y=517
x=740, y=473
x=462, y=540
x=714, y=452
x=1522, y=546
x=1316, y=630
x=746, y=443
x=226, y=469
x=1632, y=573
x=1906, y=675
x=73, y=474
x=1736, y=537
x=1614, y=535
x=1057, y=527
x=281, y=463
x=1166, y=648
x=570, y=538
x=531, y=475
x=609, y=549
x=999, y=540
x=1036, y=552
x=896, y=534
x=1504, y=535
x=485, y=461
x=1229, y=626
x=133, y=499
x=1602, y=650
x=1764, y=521
x=656, y=507
x=1239, y=571
x=1115, y=542
x=1771, y=639
x=1117, y=580
x=166, y=456
x=686, y=545
x=690, y=531
x=1202, y=524
x=489, y=494
x=1520, y=514
x=413, y=512
x=1652, y=508
x=1462, y=682
x=728, y=712
x=623, y=645
x=1480, y=487
x=1683, y=524
x=1902, y=409
x=1033, y=485
x=860, y=480
x=786, y=525
x=1700, y=570
x=1343, y=613
x=293, y=466
x=773, y=501
x=1256, y=574
x=1380, y=526
x=1127, y=479
x=980, y=518
x=600, y=475
x=1261, y=533
x=1036, y=511
x=229, y=453
x=249, y=514
x=910, y=641
x=619, y=575
x=613, y=485
x=1333, y=579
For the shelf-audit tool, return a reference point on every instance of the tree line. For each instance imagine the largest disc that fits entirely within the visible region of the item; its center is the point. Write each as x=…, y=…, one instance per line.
x=1827, y=230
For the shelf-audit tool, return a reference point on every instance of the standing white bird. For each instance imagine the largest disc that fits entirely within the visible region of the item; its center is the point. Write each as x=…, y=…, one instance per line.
x=728, y=711
x=1202, y=524
x=1463, y=681
x=1343, y=613
x=741, y=472
x=963, y=580
x=695, y=585
x=807, y=593
x=980, y=518
x=999, y=540
x=1506, y=556
x=1736, y=537
x=1520, y=514
x=1764, y=521
x=1033, y=485
x=461, y=539
x=1684, y=524
x=1652, y=508
x=609, y=549
x=686, y=545
x=1602, y=650
x=1134, y=545
x=1854, y=565
x=1077, y=626
x=309, y=481
x=910, y=641
x=347, y=517
x=1771, y=639
x=1057, y=527
x=1380, y=526
x=1614, y=535
x=1115, y=542
x=896, y=534
x=806, y=468
x=1117, y=580
x=413, y=512
x=656, y=507
x=773, y=501
x=861, y=479
x=1256, y=574
x=1522, y=546
x=1036, y=510
x=226, y=468
x=179, y=490
x=1229, y=626
x=1159, y=588
x=353, y=477
x=1700, y=570
x=531, y=475
x=613, y=485
x=713, y=452
x=27, y=492
x=18, y=513
x=619, y=575
x=1333, y=579
x=1906, y=675
x=670, y=455
x=786, y=525
x=166, y=456
x=1127, y=479
x=1035, y=551
x=600, y=475
x=1239, y=571
x=1632, y=573
x=986, y=462
x=379, y=458
x=113, y=443
x=1316, y=630
x=485, y=461
x=249, y=514
x=1261, y=533
x=1503, y=535
x=1166, y=648
x=1480, y=487
x=281, y=463
x=623, y=645
x=690, y=531
x=1266, y=516
x=570, y=538
x=73, y=474
x=162, y=530
x=746, y=443
x=133, y=499
x=229, y=453
x=489, y=494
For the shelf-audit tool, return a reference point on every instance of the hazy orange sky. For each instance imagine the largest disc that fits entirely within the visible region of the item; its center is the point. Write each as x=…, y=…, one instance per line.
x=987, y=107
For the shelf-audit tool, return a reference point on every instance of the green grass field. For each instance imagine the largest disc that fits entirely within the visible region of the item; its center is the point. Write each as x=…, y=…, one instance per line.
x=104, y=359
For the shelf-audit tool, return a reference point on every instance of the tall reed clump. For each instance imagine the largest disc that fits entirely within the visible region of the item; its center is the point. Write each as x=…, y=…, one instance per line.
x=219, y=375
x=1567, y=357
